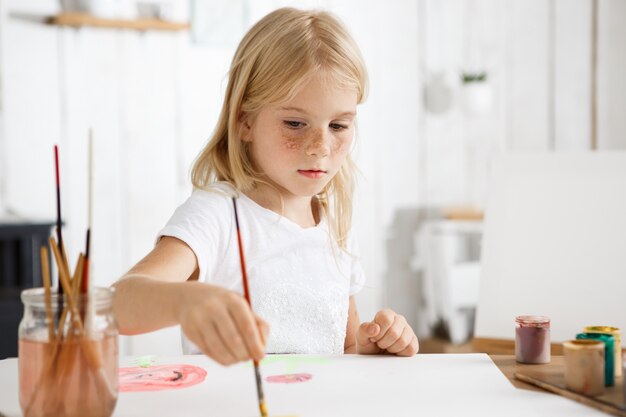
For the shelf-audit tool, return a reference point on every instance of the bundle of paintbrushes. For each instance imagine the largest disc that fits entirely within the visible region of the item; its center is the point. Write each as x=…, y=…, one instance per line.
x=68, y=354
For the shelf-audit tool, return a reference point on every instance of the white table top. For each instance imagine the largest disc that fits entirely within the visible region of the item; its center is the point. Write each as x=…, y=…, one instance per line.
x=348, y=385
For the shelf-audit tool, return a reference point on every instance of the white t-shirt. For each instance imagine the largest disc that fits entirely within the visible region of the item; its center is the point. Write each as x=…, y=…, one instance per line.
x=299, y=280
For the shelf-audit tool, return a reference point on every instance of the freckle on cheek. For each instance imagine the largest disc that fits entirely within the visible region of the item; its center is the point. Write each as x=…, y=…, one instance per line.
x=340, y=146
x=291, y=144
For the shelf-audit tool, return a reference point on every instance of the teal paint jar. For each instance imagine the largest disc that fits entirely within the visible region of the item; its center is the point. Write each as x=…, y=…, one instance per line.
x=609, y=354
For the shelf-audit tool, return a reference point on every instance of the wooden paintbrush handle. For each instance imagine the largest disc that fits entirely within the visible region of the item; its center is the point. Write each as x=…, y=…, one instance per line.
x=583, y=399
x=90, y=354
x=47, y=284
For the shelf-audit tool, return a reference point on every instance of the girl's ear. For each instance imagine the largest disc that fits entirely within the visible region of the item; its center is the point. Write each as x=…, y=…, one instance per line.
x=245, y=128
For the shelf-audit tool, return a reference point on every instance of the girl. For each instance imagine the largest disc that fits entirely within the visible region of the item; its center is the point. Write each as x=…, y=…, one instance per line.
x=281, y=146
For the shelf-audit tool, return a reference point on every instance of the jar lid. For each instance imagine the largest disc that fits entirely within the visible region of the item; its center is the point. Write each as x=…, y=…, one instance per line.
x=584, y=344
x=601, y=329
x=35, y=297
x=532, y=320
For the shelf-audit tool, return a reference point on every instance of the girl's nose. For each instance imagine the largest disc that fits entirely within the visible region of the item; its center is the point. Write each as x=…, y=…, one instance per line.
x=319, y=144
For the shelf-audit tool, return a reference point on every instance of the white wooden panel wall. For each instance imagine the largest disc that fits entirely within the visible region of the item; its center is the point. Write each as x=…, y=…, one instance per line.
x=153, y=100
x=31, y=116
x=529, y=64
x=457, y=37
x=443, y=134
x=149, y=163
x=538, y=58
x=572, y=75
x=611, y=70
x=125, y=86
x=151, y=113
x=91, y=98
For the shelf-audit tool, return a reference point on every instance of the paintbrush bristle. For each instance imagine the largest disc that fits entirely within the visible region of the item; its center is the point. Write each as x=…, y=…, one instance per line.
x=263, y=409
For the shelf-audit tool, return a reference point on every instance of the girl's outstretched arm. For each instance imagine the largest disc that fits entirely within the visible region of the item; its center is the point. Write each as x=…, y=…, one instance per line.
x=146, y=297
x=161, y=291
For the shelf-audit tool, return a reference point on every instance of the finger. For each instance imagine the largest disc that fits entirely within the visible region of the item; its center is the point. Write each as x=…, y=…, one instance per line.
x=403, y=341
x=195, y=335
x=412, y=349
x=264, y=328
x=231, y=338
x=246, y=324
x=384, y=319
x=216, y=346
x=393, y=333
x=366, y=331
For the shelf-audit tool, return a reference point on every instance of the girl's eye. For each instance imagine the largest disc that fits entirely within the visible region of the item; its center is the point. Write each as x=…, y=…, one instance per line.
x=337, y=126
x=293, y=124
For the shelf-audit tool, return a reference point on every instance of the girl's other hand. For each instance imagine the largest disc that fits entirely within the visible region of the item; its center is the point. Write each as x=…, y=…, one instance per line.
x=389, y=332
x=221, y=324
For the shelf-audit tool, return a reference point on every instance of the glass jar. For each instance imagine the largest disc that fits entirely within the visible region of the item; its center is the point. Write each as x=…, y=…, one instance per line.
x=615, y=332
x=72, y=371
x=609, y=354
x=532, y=339
x=584, y=366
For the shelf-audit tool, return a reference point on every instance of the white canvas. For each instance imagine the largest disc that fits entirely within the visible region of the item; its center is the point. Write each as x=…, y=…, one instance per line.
x=554, y=243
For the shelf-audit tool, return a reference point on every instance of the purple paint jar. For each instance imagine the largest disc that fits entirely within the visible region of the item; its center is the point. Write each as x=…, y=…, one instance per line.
x=532, y=339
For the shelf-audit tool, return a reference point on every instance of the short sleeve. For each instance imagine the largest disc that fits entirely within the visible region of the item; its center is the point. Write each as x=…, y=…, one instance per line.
x=357, y=275
x=203, y=222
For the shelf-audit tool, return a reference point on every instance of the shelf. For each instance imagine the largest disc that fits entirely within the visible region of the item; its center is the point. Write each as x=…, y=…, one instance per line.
x=78, y=20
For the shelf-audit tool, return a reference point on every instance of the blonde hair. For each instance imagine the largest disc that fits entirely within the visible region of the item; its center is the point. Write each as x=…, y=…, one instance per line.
x=277, y=55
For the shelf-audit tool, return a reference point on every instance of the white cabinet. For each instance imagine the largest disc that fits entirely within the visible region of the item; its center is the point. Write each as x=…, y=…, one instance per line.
x=448, y=256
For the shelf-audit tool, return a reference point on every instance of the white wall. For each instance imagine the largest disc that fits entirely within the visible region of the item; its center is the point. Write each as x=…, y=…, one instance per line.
x=538, y=57
x=611, y=81
x=153, y=98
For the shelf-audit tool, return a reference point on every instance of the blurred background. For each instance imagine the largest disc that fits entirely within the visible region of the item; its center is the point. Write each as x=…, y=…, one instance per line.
x=454, y=83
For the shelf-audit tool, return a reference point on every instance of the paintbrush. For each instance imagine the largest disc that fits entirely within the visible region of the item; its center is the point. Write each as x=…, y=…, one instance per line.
x=259, y=382
x=58, y=195
x=58, y=230
x=84, y=289
x=45, y=272
x=87, y=312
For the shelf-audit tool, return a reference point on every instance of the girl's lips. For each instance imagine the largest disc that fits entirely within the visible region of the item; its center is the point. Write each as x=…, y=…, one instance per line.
x=312, y=173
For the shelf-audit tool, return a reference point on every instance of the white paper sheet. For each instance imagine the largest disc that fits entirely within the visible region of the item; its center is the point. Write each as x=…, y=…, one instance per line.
x=348, y=385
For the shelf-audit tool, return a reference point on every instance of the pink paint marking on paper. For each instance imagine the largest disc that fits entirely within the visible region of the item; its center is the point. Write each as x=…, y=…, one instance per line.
x=289, y=378
x=157, y=378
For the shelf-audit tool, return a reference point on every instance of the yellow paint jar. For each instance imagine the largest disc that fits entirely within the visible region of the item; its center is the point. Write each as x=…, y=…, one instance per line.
x=615, y=332
x=584, y=366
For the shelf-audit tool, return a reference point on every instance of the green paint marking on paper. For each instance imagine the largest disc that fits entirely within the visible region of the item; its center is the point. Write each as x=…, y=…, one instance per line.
x=145, y=361
x=293, y=361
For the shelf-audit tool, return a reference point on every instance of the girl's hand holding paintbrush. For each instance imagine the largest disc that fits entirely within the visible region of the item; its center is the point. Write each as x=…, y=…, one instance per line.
x=222, y=325
x=217, y=320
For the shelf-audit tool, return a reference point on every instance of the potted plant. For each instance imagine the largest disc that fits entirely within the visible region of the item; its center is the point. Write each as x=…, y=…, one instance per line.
x=477, y=94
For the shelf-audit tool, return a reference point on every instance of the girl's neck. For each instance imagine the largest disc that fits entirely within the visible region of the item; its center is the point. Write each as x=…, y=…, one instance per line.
x=303, y=211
